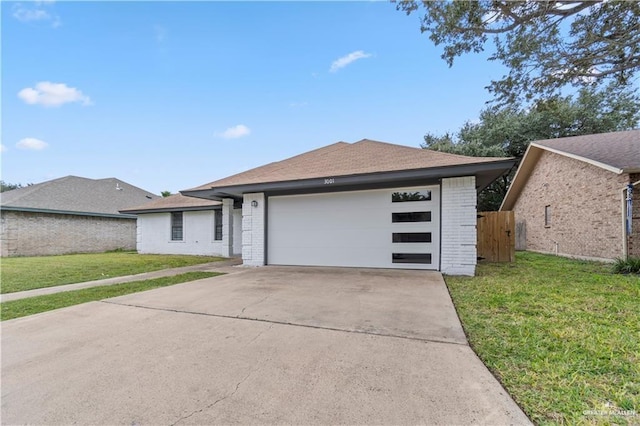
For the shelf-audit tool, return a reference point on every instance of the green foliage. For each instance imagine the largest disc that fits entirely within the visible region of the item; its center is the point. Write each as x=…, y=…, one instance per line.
x=546, y=44
x=6, y=186
x=627, y=266
x=35, y=305
x=560, y=334
x=165, y=194
x=507, y=131
x=27, y=273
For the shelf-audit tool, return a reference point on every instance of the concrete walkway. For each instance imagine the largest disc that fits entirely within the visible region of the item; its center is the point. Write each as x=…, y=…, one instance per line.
x=226, y=266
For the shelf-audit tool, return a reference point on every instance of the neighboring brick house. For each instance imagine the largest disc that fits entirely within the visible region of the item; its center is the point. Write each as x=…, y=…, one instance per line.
x=569, y=193
x=69, y=215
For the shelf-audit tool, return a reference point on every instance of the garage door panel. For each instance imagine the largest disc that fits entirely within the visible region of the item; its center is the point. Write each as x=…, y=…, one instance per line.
x=350, y=229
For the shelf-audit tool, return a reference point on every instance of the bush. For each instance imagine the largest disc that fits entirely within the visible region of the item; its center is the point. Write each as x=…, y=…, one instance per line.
x=628, y=266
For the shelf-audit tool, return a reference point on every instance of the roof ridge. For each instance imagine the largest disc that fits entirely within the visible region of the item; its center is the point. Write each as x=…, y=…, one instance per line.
x=275, y=163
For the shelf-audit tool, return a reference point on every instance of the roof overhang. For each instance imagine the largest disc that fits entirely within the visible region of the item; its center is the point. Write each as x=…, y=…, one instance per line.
x=66, y=212
x=485, y=174
x=172, y=209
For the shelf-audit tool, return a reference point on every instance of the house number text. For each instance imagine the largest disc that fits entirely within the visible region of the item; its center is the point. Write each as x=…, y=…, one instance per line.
x=329, y=181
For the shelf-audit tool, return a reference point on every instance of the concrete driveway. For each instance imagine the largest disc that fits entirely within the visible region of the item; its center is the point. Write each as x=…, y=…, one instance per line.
x=272, y=345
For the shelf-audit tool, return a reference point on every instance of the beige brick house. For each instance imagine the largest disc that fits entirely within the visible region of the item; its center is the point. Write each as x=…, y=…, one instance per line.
x=569, y=195
x=69, y=215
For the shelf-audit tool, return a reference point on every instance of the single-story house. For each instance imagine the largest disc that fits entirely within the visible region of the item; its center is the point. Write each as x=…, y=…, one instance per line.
x=570, y=196
x=363, y=204
x=69, y=215
x=185, y=225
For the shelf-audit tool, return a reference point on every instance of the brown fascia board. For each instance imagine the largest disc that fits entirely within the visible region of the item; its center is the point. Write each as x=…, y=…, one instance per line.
x=368, y=179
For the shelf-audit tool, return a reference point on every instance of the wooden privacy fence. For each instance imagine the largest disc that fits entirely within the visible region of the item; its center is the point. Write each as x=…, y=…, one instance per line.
x=496, y=236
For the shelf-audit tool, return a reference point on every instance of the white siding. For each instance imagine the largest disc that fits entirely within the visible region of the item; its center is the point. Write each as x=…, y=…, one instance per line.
x=253, y=232
x=459, y=199
x=154, y=234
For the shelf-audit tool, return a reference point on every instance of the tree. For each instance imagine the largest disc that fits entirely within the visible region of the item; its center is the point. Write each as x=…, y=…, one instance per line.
x=165, y=194
x=6, y=186
x=507, y=131
x=545, y=44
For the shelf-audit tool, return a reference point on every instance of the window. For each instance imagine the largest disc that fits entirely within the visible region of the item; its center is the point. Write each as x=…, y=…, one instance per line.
x=176, y=226
x=401, y=197
x=411, y=258
x=411, y=237
x=217, y=217
x=547, y=216
x=411, y=217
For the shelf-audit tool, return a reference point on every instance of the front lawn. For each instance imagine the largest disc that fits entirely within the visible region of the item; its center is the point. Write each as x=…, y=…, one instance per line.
x=27, y=273
x=563, y=336
x=37, y=304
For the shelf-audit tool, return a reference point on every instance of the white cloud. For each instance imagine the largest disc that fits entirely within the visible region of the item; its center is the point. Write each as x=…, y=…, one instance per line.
x=32, y=144
x=52, y=94
x=2, y=148
x=235, y=132
x=36, y=12
x=347, y=59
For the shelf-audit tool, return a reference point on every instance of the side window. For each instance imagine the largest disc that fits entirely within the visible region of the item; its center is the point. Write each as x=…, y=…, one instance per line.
x=547, y=216
x=176, y=226
x=217, y=235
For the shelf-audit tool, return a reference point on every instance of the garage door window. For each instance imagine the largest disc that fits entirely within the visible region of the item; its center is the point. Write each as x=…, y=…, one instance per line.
x=411, y=237
x=411, y=217
x=411, y=258
x=401, y=197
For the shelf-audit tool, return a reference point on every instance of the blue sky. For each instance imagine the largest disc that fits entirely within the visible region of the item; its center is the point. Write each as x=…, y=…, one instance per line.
x=168, y=96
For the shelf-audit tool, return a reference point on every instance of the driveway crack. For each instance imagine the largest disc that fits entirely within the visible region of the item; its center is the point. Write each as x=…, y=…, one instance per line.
x=254, y=304
x=260, y=334
x=213, y=404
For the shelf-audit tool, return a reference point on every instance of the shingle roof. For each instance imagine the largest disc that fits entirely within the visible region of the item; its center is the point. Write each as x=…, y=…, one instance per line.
x=73, y=194
x=346, y=159
x=619, y=150
x=173, y=202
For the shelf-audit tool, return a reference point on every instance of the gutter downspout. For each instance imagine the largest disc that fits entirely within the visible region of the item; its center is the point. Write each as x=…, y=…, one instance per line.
x=625, y=244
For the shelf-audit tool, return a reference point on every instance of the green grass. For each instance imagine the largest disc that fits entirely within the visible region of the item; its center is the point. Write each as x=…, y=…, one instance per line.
x=35, y=305
x=27, y=273
x=563, y=336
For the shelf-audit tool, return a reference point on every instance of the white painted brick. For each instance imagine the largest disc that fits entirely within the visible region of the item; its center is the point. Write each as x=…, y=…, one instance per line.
x=458, y=248
x=253, y=229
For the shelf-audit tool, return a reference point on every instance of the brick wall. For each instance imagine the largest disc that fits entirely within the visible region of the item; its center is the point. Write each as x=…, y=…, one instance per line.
x=40, y=234
x=253, y=230
x=585, y=208
x=459, y=217
x=634, y=239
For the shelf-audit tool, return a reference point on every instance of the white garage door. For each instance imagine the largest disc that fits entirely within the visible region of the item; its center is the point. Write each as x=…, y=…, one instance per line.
x=390, y=228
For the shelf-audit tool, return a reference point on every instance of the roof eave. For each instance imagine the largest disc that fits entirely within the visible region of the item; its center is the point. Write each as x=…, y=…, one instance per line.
x=67, y=212
x=172, y=209
x=489, y=170
x=608, y=167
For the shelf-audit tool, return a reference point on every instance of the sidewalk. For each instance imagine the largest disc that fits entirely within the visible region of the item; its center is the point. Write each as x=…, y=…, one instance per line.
x=227, y=266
